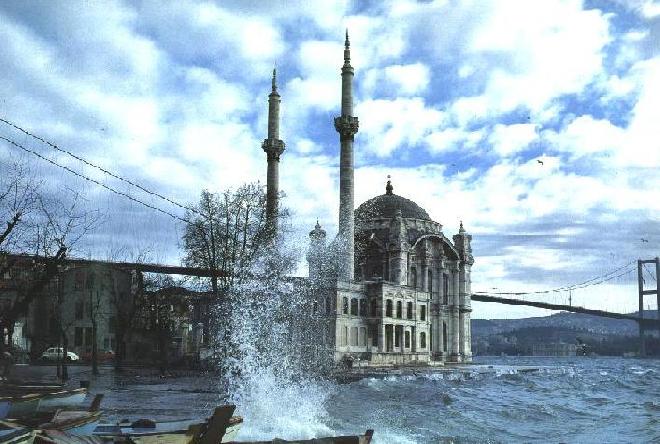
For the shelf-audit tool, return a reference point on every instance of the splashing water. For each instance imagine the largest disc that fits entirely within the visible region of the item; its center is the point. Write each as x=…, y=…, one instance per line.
x=270, y=366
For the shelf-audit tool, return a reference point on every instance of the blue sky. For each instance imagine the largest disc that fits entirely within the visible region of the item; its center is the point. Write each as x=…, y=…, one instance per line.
x=457, y=101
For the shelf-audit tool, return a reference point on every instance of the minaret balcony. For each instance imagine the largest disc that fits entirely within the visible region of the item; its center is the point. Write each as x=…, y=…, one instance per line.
x=273, y=148
x=346, y=126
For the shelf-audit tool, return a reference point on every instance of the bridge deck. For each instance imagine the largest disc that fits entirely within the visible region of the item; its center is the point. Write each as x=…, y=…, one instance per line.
x=648, y=323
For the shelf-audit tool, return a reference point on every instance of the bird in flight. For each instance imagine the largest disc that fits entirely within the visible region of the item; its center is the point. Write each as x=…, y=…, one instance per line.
x=644, y=240
x=539, y=161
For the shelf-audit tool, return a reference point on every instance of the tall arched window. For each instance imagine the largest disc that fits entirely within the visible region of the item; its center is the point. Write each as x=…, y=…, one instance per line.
x=422, y=340
x=445, y=288
x=444, y=337
x=407, y=339
x=345, y=305
x=422, y=313
x=399, y=310
x=388, y=308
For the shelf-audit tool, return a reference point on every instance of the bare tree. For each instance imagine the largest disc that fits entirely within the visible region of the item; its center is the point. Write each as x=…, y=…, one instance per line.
x=228, y=232
x=40, y=227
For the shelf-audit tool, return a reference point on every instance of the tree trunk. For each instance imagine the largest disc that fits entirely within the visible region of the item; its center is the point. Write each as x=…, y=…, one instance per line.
x=95, y=351
x=65, y=347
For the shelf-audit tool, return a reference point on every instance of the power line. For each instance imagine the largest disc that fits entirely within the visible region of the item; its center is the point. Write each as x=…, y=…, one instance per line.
x=587, y=283
x=86, y=162
x=82, y=176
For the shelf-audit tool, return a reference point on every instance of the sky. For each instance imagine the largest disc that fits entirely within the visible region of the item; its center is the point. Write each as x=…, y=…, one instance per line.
x=535, y=123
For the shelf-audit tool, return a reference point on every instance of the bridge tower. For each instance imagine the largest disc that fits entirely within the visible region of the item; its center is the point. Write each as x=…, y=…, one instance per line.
x=642, y=293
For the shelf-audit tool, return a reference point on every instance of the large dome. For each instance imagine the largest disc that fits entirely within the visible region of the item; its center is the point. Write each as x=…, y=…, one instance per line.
x=386, y=206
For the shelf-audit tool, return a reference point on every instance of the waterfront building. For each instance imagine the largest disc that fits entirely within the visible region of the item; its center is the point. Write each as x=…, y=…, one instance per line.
x=391, y=288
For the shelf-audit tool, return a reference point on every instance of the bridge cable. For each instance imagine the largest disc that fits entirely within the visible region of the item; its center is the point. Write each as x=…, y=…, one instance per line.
x=585, y=284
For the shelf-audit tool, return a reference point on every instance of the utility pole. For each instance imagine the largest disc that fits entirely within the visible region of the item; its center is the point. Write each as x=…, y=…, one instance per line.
x=642, y=293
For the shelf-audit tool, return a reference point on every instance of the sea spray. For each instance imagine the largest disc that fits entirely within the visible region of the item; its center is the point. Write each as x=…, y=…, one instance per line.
x=272, y=367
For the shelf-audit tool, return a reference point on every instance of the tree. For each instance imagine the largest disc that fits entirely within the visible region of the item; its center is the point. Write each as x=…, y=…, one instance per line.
x=40, y=227
x=227, y=233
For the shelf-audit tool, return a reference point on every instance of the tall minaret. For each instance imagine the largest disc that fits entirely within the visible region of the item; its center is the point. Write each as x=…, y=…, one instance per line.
x=273, y=147
x=346, y=125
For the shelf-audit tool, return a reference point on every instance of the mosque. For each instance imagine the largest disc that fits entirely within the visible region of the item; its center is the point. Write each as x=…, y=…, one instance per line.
x=391, y=288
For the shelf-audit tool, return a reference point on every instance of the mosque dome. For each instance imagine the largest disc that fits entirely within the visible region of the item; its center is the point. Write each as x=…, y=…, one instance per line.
x=387, y=205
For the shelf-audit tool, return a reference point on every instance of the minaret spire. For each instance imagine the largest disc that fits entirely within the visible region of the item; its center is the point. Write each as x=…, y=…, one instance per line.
x=274, y=147
x=347, y=126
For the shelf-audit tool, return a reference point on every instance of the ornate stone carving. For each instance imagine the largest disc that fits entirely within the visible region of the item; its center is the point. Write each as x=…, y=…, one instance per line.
x=346, y=126
x=273, y=148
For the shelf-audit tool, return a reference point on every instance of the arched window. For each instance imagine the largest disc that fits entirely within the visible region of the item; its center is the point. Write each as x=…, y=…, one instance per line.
x=409, y=310
x=422, y=340
x=445, y=288
x=399, y=310
x=444, y=337
x=388, y=308
x=422, y=313
x=354, y=307
x=407, y=339
x=345, y=305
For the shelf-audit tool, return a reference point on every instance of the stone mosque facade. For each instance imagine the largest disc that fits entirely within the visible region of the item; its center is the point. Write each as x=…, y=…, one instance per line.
x=391, y=288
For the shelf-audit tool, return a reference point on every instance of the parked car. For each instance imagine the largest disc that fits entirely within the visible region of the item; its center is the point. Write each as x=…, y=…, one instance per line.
x=56, y=353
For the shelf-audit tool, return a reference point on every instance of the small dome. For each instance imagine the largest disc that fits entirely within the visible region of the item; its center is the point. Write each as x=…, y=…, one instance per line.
x=387, y=205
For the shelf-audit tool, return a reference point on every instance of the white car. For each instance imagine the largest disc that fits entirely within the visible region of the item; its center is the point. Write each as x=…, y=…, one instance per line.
x=56, y=353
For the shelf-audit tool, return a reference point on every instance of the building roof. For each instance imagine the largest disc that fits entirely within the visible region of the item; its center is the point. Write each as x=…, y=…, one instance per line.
x=387, y=205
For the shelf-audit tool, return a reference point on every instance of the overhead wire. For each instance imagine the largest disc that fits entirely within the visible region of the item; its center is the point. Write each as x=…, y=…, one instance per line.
x=105, y=171
x=87, y=178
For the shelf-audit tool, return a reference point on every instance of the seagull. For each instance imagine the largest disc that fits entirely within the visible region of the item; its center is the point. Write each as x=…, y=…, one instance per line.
x=644, y=240
x=539, y=161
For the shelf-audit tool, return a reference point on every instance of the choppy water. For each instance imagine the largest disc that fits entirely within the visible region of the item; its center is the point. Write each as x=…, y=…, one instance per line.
x=591, y=400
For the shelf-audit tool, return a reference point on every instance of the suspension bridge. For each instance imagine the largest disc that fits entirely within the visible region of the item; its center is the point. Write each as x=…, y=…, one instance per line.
x=644, y=323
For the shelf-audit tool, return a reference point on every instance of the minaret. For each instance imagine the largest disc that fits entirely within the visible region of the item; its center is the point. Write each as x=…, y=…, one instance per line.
x=273, y=147
x=346, y=125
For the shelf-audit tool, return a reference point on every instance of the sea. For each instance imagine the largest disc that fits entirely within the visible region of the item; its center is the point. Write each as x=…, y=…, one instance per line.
x=495, y=400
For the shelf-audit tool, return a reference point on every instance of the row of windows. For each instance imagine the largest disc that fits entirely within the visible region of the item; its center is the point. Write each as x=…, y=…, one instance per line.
x=358, y=307
x=399, y=312
x=358, y=337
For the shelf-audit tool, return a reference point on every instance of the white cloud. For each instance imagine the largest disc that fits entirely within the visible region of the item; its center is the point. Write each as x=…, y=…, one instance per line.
x=410, y=79
x=510, y=139
x=387, y=125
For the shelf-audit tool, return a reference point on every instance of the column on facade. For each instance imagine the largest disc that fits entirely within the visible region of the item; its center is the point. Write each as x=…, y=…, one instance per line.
x=381, y=338
x=455, y=303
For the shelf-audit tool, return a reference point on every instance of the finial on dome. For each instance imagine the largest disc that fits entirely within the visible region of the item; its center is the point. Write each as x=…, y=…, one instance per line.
x=347, y=43
x=389, y=188
x=461, y=230
x=318, y=225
